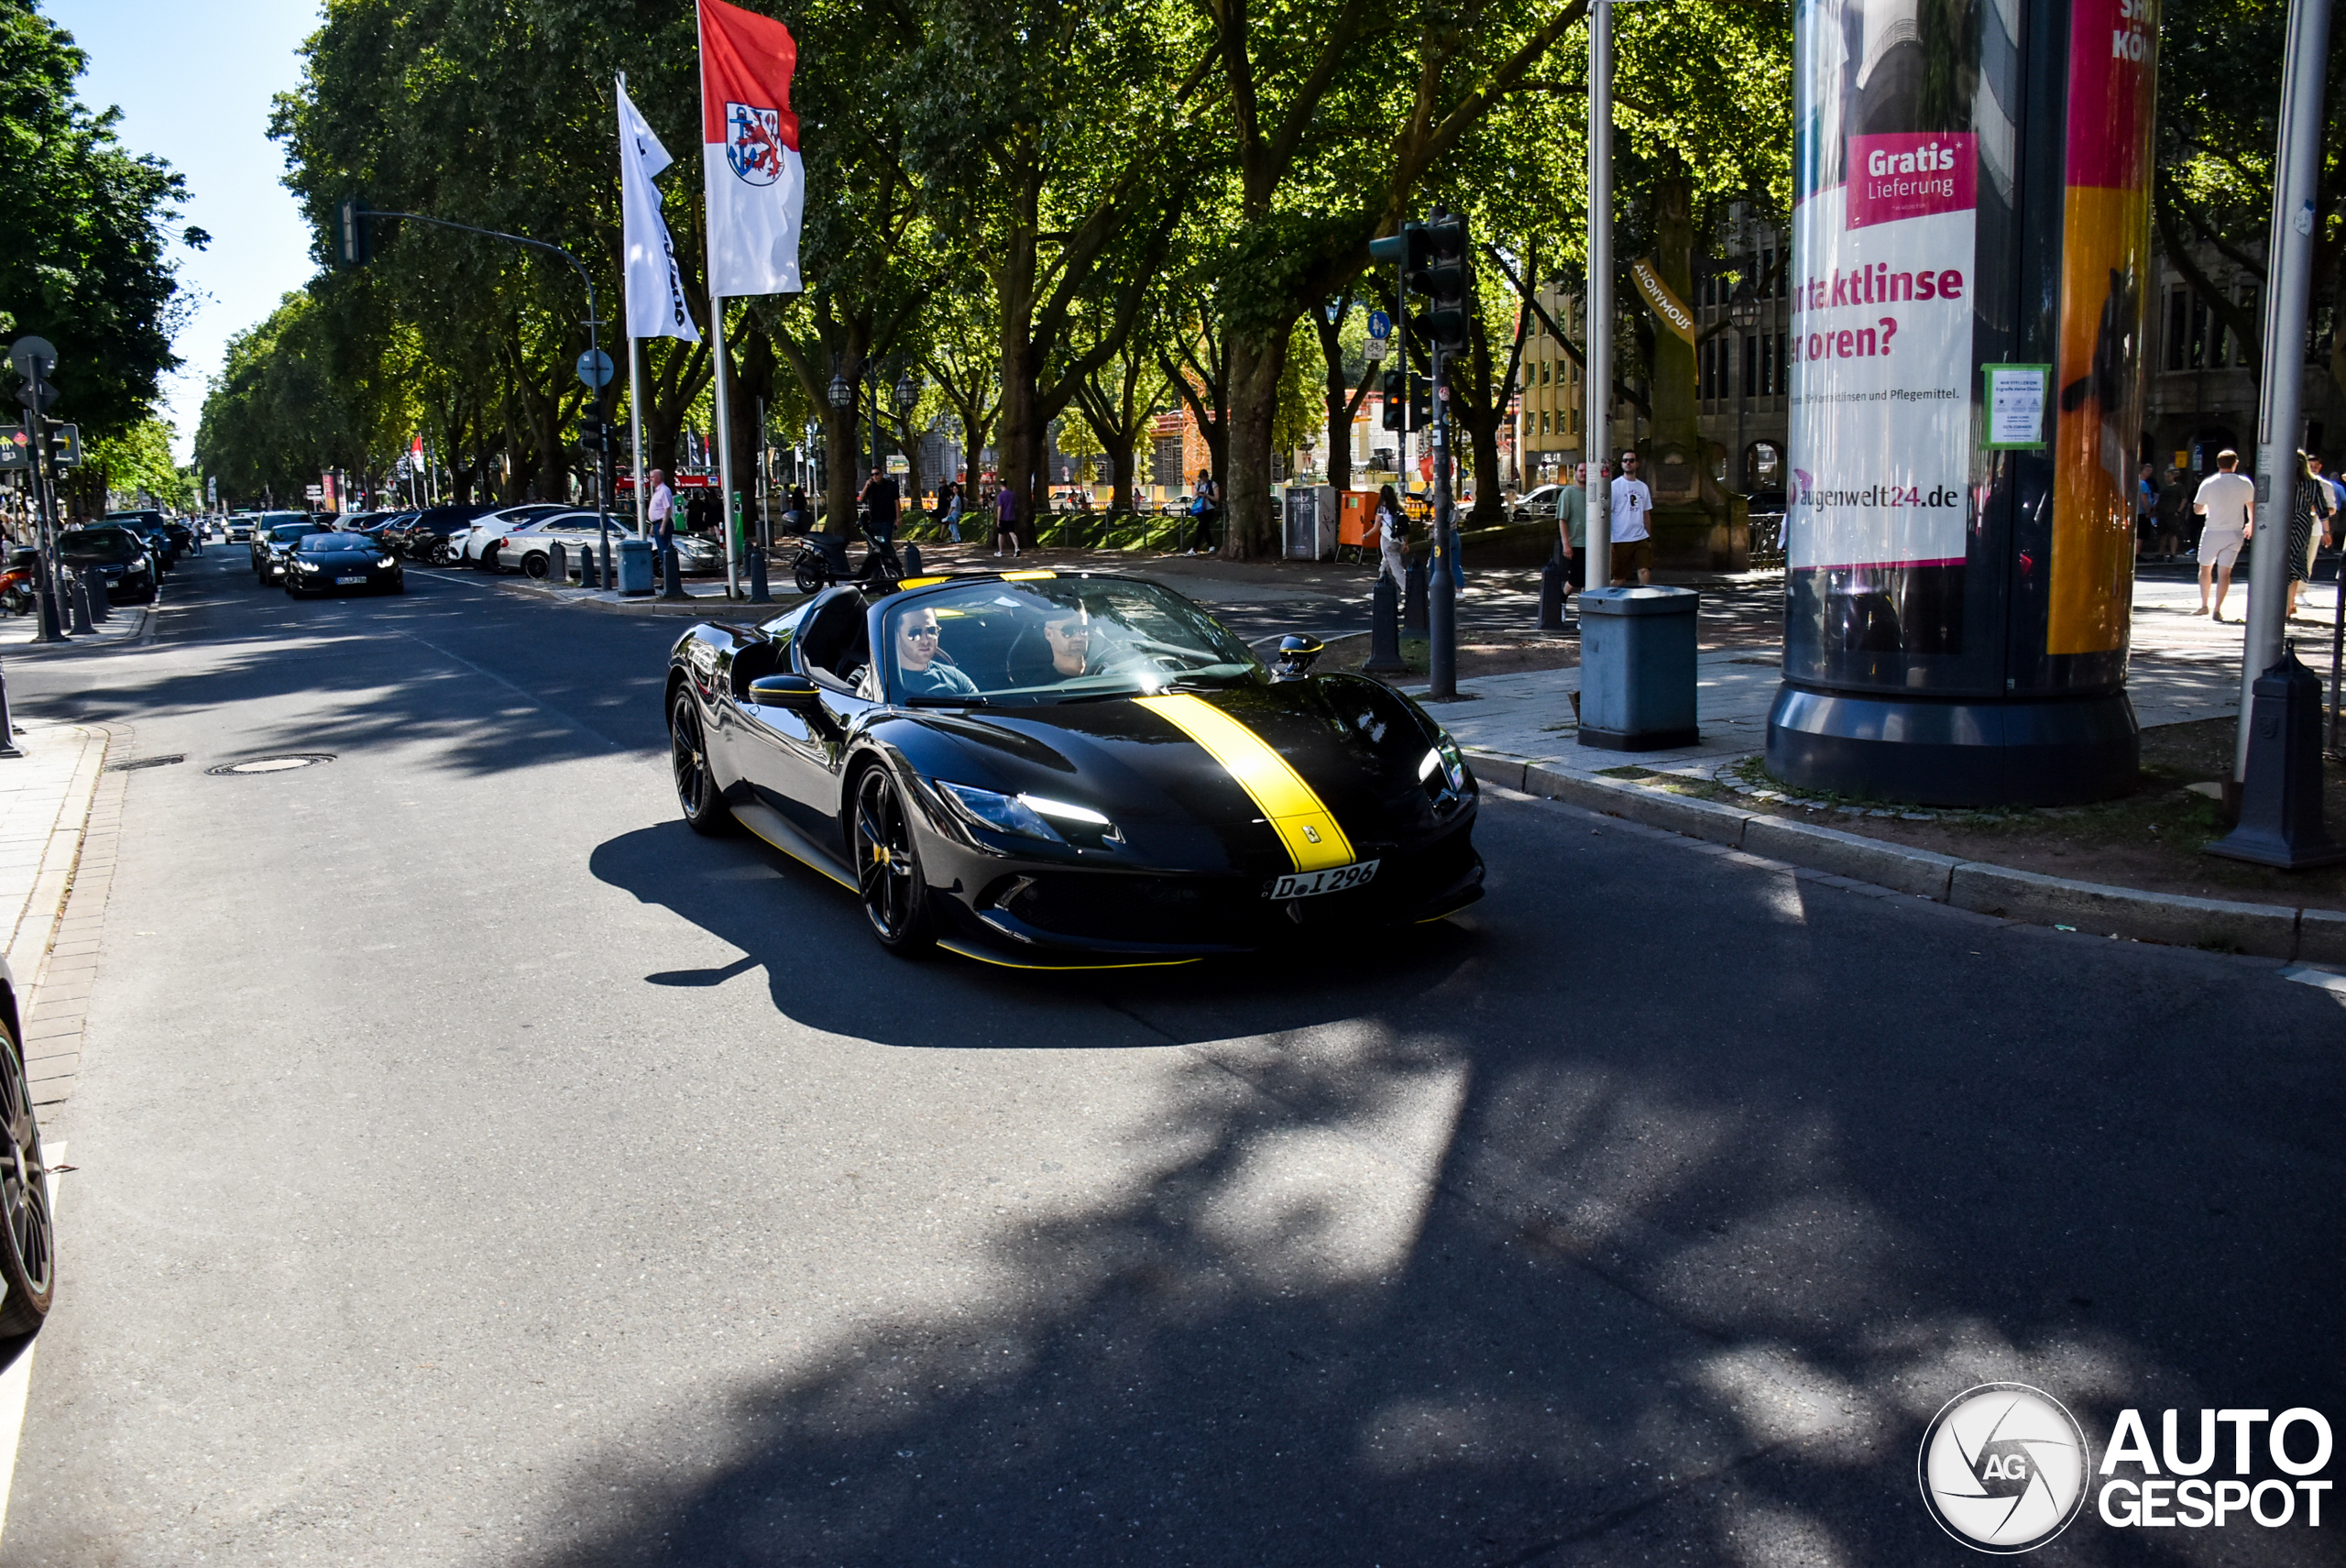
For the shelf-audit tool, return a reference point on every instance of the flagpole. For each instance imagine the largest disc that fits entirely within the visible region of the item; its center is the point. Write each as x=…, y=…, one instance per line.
x=716, y=345
x=635, y=358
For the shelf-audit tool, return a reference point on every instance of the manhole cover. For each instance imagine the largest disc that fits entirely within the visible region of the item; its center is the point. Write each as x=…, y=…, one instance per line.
x=132, y=767
x=273, y=764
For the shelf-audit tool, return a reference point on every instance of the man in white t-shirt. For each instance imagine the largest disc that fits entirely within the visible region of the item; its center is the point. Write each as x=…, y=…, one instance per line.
x=2227, y=499
x=1632, y=540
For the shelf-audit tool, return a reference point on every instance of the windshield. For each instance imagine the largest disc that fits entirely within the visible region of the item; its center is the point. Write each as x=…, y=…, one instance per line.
x=320, y=544
x=97, y=543
x=1059, y=639
x=287, y=533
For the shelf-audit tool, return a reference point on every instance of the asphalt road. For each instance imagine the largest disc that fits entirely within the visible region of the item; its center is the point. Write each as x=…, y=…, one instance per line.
x=476, y=1166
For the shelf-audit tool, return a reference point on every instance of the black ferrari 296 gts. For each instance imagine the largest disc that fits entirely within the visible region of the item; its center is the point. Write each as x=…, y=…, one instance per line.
x=1069, y=770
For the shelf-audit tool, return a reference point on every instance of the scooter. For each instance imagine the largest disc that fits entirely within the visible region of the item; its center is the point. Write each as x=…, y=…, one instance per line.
x=822, y=561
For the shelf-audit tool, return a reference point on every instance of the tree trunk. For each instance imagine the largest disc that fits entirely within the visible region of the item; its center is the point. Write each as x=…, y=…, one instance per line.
x=1339, y=397
x=840, y=479
x=1676, y=415
x=1251, y=524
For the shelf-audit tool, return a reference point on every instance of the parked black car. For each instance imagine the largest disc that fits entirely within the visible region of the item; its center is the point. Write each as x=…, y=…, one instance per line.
x=113, y=557
x=332, y=562
x=426, y=537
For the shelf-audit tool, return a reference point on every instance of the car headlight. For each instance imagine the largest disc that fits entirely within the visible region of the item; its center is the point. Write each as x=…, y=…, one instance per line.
x=385, y=562
x=1028, y=816
x=1443, y=757
x=305, y=566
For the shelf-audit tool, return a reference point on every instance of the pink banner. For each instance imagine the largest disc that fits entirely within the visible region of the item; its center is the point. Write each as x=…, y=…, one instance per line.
x=1912, y=175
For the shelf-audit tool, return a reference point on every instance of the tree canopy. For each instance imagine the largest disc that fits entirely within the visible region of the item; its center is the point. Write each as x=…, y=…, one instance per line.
x=89, y=224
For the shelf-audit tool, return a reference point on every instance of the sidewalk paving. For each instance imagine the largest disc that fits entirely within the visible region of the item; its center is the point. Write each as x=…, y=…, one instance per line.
x=2182, y=668
x=50, y=852
x=124, y=623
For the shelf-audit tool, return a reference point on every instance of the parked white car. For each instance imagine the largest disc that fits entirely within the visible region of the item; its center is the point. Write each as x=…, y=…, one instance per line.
x=530, y=549
x=477, y=548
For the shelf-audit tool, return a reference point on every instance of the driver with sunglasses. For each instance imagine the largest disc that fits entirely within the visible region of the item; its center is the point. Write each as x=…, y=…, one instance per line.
x=919, y=662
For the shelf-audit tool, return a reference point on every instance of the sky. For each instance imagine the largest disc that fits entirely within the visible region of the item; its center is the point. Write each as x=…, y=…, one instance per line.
x=193, y=80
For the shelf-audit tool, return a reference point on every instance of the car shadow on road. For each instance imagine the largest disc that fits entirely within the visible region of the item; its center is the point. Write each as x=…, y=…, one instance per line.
x=1575, y=1239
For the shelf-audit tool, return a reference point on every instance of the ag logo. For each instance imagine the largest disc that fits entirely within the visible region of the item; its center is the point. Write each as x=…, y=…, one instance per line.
x=2004, y=1467
x=753, y=142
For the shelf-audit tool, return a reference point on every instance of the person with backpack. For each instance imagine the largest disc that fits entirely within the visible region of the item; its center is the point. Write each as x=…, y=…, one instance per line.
x=1204, y=506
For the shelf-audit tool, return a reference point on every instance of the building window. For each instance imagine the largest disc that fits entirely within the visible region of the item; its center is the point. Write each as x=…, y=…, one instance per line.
x=2178, y=326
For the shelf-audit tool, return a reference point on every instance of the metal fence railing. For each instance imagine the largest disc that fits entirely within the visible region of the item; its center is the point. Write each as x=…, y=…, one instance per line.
x=1767, y=538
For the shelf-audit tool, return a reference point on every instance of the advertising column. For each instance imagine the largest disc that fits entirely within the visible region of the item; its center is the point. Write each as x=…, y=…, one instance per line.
x=1969, y=236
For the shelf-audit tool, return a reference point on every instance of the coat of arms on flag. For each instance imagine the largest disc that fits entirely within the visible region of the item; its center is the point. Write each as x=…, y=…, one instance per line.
x=753, y=142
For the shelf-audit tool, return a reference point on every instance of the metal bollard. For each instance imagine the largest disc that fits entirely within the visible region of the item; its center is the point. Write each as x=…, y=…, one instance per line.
x=82, y=627
x=1384, y=627
x=587, y=576
x=98, y=603
x=558, y=567
x=758, y=593
x=1551, y=596
x=7, y=726
x=1413, y=603
x=671, y=579
x=2280, y=805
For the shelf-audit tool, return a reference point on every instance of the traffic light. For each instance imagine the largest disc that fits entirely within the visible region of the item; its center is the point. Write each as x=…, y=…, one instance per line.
x=1406, y=248
x=353, y=246
x=1408, y=401
x=1444, y=280
x=592, y=434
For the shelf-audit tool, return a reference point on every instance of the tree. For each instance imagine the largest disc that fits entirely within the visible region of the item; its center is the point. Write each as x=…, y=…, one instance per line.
x=134, y=468
x=2218, y=106
x=87, y=226
x=1325, y=160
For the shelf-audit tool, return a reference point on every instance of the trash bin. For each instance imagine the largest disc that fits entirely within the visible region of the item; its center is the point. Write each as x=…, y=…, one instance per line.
x=634, y=565
x=1637, y=668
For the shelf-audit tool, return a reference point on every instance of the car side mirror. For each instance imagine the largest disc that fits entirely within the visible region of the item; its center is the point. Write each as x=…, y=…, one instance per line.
x=796, y=693
x=1296, y=653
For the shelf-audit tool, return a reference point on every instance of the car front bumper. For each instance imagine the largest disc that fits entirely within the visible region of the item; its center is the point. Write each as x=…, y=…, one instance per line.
x=1048, y=914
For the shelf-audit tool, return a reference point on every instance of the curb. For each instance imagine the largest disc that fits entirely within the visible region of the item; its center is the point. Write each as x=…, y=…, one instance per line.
x=700, y=610
x=2265, y=931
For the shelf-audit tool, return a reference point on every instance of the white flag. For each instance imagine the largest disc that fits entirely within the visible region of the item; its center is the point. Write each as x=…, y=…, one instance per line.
x=755, y=182
x=655, y=290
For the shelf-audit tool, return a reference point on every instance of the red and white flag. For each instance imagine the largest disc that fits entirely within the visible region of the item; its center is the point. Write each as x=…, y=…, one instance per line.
x=755, y=182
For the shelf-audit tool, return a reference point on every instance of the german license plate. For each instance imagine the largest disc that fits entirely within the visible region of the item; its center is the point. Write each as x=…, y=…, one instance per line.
x=1329, y=878
x=348, y=582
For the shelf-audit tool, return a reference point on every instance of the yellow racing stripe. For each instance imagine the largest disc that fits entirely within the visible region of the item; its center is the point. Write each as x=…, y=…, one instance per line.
x=1302, y=821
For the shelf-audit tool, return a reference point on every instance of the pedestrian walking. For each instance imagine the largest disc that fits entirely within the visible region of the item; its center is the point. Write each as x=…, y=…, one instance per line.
x=2175, y=508
x=2146, y=511
x=2310, y=508
x=2227, y=500
x=879, y=499
x=1392, y=538
x=1632, y=540
x=1005, y=521
x=949, y=502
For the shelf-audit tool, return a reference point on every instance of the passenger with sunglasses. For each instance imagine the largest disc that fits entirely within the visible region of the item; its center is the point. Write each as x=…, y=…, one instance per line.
x=920, y=660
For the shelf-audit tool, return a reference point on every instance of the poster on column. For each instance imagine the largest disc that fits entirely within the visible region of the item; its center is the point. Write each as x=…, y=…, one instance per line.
x=1881, y=405
x=2105, y=258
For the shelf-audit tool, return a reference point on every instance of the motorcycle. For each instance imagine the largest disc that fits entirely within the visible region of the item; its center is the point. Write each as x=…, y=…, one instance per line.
x=822, y=561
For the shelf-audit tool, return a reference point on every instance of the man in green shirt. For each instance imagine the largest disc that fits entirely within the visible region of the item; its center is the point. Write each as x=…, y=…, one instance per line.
x=1572, y=530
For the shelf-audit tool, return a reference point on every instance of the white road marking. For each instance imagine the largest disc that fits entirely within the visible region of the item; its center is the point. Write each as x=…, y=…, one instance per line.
x=2328, y=979
x=16, y=1383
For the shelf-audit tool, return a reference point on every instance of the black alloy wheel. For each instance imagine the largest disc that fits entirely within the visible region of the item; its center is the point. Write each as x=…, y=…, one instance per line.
x=488, y=561
x=809, y=574
x=887, y=867
x=535, y=565
x=705, y=810
x=28, y=1236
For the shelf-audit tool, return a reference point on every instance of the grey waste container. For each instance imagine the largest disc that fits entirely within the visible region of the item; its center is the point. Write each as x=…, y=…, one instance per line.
x=1637, y=668
x=634, y=563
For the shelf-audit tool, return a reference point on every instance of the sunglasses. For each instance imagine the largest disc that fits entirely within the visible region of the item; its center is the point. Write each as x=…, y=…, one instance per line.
x=924, y=630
